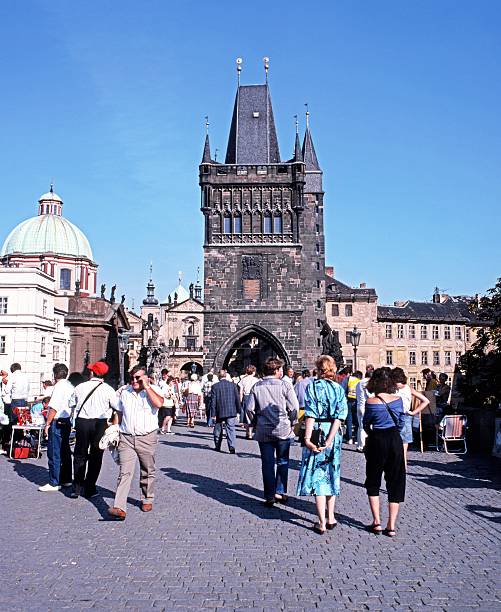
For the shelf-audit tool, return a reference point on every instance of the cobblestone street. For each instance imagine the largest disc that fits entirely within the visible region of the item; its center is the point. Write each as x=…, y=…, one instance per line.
x=210, y=544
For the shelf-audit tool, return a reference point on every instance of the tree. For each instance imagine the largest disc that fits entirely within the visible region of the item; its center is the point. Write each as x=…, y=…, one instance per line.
x=480, y=383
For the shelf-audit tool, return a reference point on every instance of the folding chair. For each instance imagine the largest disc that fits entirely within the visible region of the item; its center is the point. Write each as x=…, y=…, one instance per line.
x=453, y=429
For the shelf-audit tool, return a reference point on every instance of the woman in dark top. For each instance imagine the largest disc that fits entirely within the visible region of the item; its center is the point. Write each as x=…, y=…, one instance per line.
x=384, y=452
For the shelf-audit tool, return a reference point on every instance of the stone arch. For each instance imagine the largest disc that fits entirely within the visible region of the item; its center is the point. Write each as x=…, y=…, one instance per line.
x=190, y=366
x=251, y=344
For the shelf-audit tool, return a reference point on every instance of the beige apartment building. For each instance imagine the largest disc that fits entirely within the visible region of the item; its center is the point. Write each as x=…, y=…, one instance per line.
x=412, y=335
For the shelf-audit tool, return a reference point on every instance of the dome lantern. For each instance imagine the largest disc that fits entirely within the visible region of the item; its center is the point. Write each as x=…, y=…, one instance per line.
x=50, y=203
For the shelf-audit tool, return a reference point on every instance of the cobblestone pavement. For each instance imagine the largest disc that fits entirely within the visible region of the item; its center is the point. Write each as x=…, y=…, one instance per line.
x=210, y=544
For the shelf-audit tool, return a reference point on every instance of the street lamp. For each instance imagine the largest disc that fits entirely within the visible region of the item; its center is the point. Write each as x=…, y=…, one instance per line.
x=355, y=341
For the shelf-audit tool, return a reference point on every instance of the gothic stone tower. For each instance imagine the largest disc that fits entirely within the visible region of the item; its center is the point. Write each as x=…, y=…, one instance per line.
x=264, y=243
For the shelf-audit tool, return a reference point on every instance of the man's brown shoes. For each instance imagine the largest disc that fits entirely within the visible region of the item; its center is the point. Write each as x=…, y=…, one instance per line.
x=146, y=507
x=117, y=513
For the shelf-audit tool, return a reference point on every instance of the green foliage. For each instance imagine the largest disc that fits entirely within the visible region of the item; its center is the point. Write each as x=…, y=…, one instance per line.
x=480, y=383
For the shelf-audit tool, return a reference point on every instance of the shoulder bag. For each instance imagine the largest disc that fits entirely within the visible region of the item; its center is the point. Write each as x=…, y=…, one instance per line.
x=85, y=400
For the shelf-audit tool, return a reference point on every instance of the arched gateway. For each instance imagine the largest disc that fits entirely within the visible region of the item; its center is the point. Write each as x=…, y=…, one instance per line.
x=251, y=345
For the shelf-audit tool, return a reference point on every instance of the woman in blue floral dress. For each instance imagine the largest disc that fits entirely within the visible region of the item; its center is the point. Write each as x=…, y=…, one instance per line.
x=320, y=473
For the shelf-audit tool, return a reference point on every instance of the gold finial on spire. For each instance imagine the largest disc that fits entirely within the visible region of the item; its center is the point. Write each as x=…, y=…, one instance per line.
x=239, y=68
x=206, y=125
x=307, y=115
x=266, y=61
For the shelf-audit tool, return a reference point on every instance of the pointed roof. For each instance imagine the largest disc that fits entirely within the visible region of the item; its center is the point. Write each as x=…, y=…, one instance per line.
x=309, y=155
x=253, y=137
x=298, y=155
x=206, y=159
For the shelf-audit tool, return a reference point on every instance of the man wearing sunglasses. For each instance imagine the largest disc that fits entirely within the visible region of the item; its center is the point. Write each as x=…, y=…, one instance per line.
x=137, y=415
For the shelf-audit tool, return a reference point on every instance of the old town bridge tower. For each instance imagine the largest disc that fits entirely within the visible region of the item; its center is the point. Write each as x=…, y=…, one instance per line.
x=264, y=256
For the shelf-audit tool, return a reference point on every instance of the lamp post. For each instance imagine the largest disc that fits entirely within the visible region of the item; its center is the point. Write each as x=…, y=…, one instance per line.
x=355, y=341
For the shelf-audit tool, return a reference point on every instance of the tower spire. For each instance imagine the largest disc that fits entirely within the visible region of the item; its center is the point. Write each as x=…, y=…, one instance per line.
x=150, y=299
x=309, y=154
x=206, y=158
x=298, y=156
x=266, y=62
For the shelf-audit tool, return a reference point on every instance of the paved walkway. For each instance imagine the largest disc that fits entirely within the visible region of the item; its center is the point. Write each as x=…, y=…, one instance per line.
x=210, y=544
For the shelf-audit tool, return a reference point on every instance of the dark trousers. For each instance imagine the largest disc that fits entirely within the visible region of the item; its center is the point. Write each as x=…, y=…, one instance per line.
x=87, y=456
x=351, y=420
x=229, y=424
x=7, y=429
x=384, y=454
x=273, y=452
x=58, y=452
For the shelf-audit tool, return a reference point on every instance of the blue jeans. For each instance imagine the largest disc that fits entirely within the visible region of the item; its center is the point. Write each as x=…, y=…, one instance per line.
x=275, y=482
x=351, y=420
x=58, y=452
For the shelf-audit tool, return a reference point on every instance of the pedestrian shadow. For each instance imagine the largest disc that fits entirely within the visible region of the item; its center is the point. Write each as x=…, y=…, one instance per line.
x=473, y=474
x=228, y=495
x=184, y=444
x=37, y=474
x=485, y=511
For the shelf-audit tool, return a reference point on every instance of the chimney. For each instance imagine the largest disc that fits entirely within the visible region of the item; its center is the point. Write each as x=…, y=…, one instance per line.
x=329, y=270
x=363, y=285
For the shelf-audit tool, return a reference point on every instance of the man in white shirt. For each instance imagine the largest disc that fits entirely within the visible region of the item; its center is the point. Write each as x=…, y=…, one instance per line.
x=94, y=401
x=18, y=387
x=137, y=414
x=58, y=429
x=289, y=375
x=245, y=386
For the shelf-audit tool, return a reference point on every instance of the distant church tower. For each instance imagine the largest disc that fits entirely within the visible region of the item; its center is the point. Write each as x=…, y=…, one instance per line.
x=264, y=254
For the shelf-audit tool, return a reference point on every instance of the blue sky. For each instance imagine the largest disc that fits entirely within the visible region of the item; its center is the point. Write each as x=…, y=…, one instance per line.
x=108, y=99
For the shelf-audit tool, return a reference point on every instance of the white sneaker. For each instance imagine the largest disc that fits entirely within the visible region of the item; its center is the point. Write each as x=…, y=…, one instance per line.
x=2, y=452
x=48, y=488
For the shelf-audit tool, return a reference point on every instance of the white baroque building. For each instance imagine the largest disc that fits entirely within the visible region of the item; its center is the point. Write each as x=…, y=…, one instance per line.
x=32, y=330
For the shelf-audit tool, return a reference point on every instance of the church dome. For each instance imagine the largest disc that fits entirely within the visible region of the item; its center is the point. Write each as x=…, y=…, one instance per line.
x=182, y=294
x=49, y=232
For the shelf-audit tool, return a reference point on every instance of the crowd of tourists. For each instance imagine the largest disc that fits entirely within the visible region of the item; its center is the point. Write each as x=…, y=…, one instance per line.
x=319, y=409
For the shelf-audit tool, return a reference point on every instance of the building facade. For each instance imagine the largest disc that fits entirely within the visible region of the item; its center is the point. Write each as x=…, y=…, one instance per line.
x=409, y=334
x=32, y=330
x=264, y=289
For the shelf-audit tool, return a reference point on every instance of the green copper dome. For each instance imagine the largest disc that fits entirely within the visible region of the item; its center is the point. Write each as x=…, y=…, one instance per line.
x=47, y=233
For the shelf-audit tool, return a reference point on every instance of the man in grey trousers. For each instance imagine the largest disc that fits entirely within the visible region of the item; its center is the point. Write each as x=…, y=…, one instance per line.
x=225, y=405
x=137, y=414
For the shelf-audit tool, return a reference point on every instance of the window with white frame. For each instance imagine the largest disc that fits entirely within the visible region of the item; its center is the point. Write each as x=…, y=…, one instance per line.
x=335, y=310
x=55, y=352
x=447, y=358
x=44, y=308
x=436, y=358
x=458, y=356
x=424, y=332
x=348, y=310
x=349, y=362
x=412, y=331
x=434, y=332
x=400, y=331
x=457, y=333
x=468, y=335
x=389, y=357
x=3, y=345
x=424, y=358
x=412, y=382
x=348, y=337
x=388, y=331
x=412, y=357
x=4, y=301
x=43, y=347
x=447, y=332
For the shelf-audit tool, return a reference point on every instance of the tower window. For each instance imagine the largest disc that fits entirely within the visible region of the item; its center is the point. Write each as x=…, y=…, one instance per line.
x=65, y=278
x=237, y=224
x=227, y=224
x=267, y=224
x=277, y=224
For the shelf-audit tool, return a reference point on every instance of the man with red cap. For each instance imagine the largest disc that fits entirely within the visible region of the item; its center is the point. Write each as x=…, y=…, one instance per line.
x=94, y=403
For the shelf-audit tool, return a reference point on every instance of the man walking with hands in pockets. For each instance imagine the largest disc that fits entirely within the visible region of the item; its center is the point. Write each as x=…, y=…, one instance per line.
x=137, y=415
